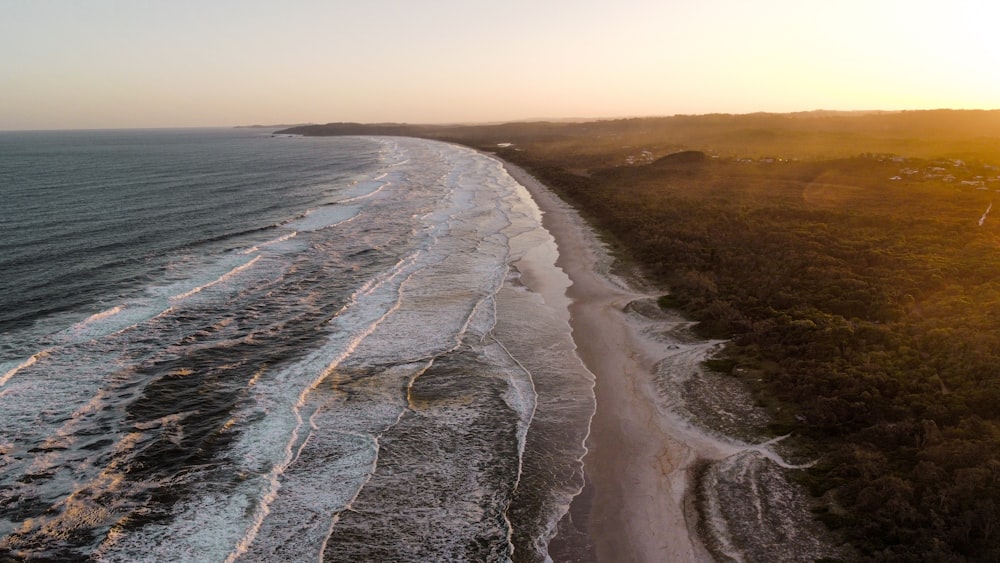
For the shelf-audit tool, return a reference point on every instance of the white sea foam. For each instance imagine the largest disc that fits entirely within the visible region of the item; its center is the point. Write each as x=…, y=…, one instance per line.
x=325, y=217
x=13, y=367
x=272, y=242
x=269, y=446
x=365, y=190
x=100, y=316
x=87, y=361
x=132, y=313
x=436, y=294
x=224, y=277
x=314, y=434
x=109, y=322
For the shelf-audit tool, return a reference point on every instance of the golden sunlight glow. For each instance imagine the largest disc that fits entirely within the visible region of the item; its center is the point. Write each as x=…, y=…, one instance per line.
x=185, y=63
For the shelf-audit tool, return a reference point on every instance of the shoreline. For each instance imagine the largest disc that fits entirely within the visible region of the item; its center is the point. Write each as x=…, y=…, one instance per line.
x=636, y=505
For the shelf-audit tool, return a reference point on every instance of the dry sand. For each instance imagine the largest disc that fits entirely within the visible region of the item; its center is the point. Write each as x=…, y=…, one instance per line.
x=638, y=459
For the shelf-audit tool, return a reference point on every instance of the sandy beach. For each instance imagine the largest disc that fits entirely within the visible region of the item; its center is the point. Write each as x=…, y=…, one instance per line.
x=679, y=464
x=637, y=466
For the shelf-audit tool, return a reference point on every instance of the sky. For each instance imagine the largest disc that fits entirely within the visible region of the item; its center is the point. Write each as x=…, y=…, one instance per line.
x=68, y=64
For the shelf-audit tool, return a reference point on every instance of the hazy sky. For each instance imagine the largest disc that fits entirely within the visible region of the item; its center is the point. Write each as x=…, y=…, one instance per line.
x=143, y=63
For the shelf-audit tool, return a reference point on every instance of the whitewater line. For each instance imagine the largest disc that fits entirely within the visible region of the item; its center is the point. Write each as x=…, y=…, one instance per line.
x=459, y=337
x=987, y=212
x=522, y=434
x=350, y=502
x=378, y=281
x=274, y=477
x=282, y=238
x=74, y=334
x=169, y=309
x=305, y=441
x=24, y=364
x=373, y=467
x=217, y=280
x=521, y=442
x=99, y=316
x=377, y=442
x=367, y=195
x=408, y=407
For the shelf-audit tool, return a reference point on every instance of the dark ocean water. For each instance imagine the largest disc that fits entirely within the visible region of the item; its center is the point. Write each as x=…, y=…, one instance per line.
x=222, y=345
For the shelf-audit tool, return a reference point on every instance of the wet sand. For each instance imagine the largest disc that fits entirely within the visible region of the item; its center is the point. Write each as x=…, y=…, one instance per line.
x=638, y=463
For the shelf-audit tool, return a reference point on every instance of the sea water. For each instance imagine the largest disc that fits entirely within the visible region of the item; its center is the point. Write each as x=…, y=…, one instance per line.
x=222, y=345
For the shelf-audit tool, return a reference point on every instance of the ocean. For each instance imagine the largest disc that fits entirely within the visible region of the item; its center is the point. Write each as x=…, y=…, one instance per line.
x=226, y=345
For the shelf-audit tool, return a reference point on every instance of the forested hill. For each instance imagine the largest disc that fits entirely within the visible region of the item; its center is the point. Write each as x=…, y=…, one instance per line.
x=853, y=260
x=928, y=134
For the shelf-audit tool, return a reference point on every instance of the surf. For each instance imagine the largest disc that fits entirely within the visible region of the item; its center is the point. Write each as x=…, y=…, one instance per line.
x=363, y=363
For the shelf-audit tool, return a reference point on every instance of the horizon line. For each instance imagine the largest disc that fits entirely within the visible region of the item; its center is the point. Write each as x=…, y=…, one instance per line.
x=497, y=122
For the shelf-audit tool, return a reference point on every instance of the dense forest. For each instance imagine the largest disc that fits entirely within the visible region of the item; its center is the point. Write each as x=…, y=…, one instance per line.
x=851, y=259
